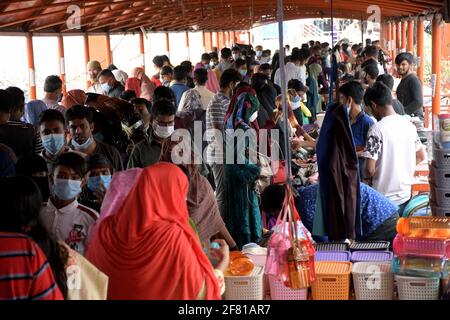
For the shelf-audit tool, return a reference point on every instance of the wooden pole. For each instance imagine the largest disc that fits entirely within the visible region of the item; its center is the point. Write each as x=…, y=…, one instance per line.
x=410, y=47
x=420, y=51
x=142, y=49
x=188, y=53
x=31, y=70
x=404, y=38
x=167, y=44
x=87, y=57
x=108, y=50
x=436, y=68
x=394, y=40
x=210, y=41
x=62, y=63
x=217, y=42
x=204, y=41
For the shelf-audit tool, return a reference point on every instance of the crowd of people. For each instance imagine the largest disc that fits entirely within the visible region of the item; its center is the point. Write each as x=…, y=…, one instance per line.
x=95, y=206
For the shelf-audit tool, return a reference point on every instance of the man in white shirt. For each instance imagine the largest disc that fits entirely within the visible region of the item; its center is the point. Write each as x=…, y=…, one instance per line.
x=295, y=69
x=189, y=99
x=393, y=148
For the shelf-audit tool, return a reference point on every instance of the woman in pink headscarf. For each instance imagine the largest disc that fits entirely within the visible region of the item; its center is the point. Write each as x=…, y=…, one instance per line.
x=140, y=83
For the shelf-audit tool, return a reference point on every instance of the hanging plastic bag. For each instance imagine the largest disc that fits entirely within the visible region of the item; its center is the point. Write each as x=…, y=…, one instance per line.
x=290, y=258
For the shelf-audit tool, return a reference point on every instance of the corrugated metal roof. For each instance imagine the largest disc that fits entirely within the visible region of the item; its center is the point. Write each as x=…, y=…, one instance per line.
x=180, y=15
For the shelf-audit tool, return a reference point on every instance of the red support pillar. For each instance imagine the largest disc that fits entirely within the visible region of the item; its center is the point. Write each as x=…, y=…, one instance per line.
x=410, y=47
x=420, y=51
x=249, y=38
x=188, y=52
x=210, y=41
x=142, y=49
x=87, y=56
x=62, y=63
x=394, y=41
x=108, y=50
x=404, y=38
x=217, y=41
x=436, y=68
x=167, y=44
x=31, y=70
x=398, y=37
x=204, y=41
x=389, y=38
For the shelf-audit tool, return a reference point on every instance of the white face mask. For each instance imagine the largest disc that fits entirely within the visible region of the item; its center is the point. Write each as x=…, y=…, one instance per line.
x=296, y=104
x=163, y=131
x=253, y=117
x=236, y=56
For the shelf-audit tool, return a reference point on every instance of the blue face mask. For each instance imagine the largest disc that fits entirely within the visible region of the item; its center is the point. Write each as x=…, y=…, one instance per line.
x=243, y=72
x=66, y=189
x=106, y=87
x=84, y=145
x=53, y=143
x=95, y=182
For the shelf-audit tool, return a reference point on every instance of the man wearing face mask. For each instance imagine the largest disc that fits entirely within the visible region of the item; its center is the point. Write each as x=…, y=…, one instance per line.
x=351, y=96
x=53, y=93
x=99, y=178
x=241, y=66
x=393, y=148
x=81, y=125
x=63, y=216
x=111, y=87
x=148, y=151
x=52, y=128
x=236, y=52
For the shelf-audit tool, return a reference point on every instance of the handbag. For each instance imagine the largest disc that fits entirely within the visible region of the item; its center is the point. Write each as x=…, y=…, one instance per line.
x=290, y=253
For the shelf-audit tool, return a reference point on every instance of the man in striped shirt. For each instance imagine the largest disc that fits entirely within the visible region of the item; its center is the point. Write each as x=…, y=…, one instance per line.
x=24, y=270
x=215, y=122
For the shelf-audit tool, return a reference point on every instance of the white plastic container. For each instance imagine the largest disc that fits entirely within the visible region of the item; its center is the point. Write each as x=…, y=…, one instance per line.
x=245, y=287
x=373, y=281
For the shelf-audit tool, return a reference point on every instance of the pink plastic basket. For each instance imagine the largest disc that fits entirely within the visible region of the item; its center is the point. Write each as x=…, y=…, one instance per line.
x=371, y=256
x=278, y=291
x=433, y=248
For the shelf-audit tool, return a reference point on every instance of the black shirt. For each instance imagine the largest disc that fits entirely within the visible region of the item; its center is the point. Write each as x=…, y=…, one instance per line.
x=398, y=107
x=110, y=152
x=409, y=93
x=19, y=136
x=116, y=91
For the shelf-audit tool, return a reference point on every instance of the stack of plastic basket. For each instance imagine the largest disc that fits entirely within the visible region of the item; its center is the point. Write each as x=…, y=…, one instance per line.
x=333, y=268
x=422, y=251
x=371, y=271
x=440, y=180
